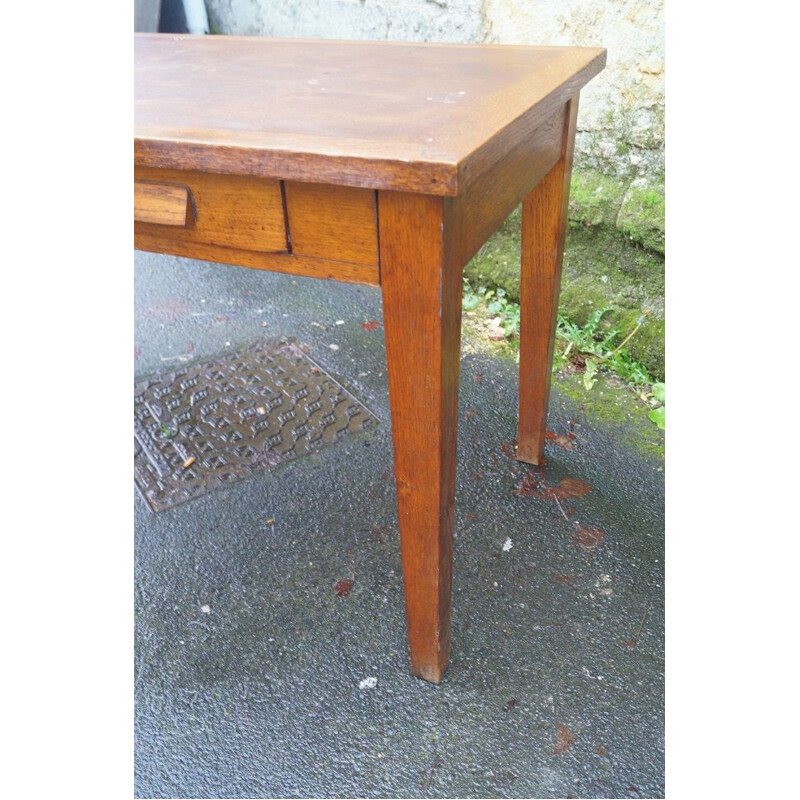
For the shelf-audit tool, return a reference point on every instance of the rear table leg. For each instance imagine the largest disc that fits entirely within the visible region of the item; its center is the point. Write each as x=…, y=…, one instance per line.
x=544, y=223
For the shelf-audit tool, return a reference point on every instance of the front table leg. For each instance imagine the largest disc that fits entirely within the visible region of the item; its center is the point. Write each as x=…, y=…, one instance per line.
x=421, y=286
x=544, y=224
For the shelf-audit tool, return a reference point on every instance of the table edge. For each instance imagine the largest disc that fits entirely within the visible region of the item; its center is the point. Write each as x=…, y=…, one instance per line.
x=430, y=176
x=427, y=177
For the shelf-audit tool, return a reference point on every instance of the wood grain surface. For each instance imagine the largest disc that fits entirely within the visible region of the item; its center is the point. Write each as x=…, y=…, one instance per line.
x=160, y=203
x=497, y=181
x=334, y=222
x=544, y=225
x=274, y=262
x=375, y=114
x=241, y=221
x=229, y=211
x=421, y=284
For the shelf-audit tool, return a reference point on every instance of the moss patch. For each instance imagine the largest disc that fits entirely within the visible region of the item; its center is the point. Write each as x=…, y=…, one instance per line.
x=595, y=199
x=612, y=404
x=497, y=262
x=647, y=345
x=609, y=402
x=635, y=208
x=602, y=269
x=641, y=216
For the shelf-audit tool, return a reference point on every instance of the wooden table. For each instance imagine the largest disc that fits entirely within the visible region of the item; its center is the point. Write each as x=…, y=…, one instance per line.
x=381, y=163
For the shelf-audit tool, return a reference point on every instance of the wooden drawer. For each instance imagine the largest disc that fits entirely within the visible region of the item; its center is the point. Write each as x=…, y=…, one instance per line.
x=337, y=223
x=194, y=213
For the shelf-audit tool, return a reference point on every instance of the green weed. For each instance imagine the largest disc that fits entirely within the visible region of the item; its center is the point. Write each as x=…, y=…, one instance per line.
x=592, y=348
x=497, y=305
x=589, y=349
x=165, y=432
x=657, y=414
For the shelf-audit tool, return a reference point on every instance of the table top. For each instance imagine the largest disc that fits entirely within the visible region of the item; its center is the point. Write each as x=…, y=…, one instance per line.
x=382, y=115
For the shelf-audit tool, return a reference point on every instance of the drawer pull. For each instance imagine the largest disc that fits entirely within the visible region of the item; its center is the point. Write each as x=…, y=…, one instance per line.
x=162, y=203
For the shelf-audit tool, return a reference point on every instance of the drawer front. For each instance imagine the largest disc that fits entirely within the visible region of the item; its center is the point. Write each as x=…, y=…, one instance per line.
x=228, y=211
x=337, y=223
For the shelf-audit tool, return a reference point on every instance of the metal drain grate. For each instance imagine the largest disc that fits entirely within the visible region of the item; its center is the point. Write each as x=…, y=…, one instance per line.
x=210, y=424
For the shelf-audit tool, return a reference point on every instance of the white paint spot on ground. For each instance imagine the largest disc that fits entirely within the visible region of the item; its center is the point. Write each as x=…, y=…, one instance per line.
x=368, y=683
x=507, y=544
x=604, y=585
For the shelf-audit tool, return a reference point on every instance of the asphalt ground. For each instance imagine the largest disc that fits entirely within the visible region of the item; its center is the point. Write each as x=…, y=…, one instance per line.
x=251, y=670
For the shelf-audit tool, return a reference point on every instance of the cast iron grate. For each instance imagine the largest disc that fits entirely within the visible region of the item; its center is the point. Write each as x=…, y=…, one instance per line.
x=207, y=425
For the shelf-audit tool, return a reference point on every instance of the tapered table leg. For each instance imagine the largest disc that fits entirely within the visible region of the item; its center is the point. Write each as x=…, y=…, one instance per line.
x=422, y=318
x=544, y=224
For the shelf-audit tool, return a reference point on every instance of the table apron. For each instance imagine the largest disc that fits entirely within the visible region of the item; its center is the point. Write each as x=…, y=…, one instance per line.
x=302, y=229
x=321, y=230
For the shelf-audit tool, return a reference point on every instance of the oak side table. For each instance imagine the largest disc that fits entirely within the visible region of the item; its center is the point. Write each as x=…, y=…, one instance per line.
x=380, y=163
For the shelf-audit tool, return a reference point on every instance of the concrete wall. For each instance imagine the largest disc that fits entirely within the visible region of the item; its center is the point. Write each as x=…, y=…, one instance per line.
x=621, y=122
x=145, y=15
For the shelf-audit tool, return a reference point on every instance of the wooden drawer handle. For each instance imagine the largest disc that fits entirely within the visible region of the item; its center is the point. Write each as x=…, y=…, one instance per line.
x=162, y=203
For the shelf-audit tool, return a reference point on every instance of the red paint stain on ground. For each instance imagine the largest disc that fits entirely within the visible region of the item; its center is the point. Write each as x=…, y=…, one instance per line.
x=509, y=450
x=170, y=310
x=568, y=578
x=534, y=485
x=376, y=533
x=373, y=325
x=588, y=538
x=343, y=587
x=564, y=441
x=565, y=738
